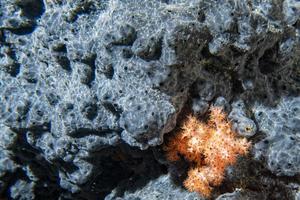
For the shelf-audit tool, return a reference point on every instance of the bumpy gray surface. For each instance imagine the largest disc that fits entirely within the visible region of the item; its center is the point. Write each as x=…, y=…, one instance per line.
x=282, y=143
x=89, y=89
x=157, y=189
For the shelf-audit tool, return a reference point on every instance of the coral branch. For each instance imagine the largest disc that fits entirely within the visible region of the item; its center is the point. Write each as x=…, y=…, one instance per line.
x=209, y=147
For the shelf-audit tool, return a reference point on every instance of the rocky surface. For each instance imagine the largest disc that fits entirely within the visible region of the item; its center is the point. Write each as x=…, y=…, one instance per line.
x=90, y=88
x=281, y=146
x=160, y=188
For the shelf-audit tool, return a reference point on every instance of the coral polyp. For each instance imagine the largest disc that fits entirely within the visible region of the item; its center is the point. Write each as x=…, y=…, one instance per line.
x=209, y=147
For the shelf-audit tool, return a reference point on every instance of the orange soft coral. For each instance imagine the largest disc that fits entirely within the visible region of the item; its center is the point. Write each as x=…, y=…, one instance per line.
x=209, y=147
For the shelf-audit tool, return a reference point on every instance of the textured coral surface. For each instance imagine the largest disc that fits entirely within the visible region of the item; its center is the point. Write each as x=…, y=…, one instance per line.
x=91, y=89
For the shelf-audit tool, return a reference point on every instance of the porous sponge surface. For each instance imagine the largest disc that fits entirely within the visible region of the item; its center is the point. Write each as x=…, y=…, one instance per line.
x=281, y=146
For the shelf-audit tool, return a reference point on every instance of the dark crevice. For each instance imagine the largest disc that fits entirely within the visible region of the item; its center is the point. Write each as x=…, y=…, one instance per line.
x=11, y=179
x=205, y=52
x=83, y=132
x=108, y=71
x=267, y=63
x=23, y=30
x=2, y=36
x=60, y=53
x=60, y=47
x=165, y=1
x=82, y=8
x=25, y=155
x=38, y=127
x=14, y=68
x=52, y=98
x=237, y=87
x=297, y=24
x=122, y=168
x=90, y=110
x=149, y=49
x=67, y=167
x=90, y=61
x=31, y=9
x=64, y=62
x=113, y=108
x=201, y=16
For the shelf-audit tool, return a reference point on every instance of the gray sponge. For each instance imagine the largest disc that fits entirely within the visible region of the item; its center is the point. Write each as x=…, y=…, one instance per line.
x=281, y=146
x=243, y=125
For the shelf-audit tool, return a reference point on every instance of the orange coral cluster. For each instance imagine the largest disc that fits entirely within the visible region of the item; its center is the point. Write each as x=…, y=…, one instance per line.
x=210, y=147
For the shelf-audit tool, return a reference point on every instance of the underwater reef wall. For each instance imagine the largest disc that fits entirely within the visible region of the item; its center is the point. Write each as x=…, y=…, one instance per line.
x=90, y=88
